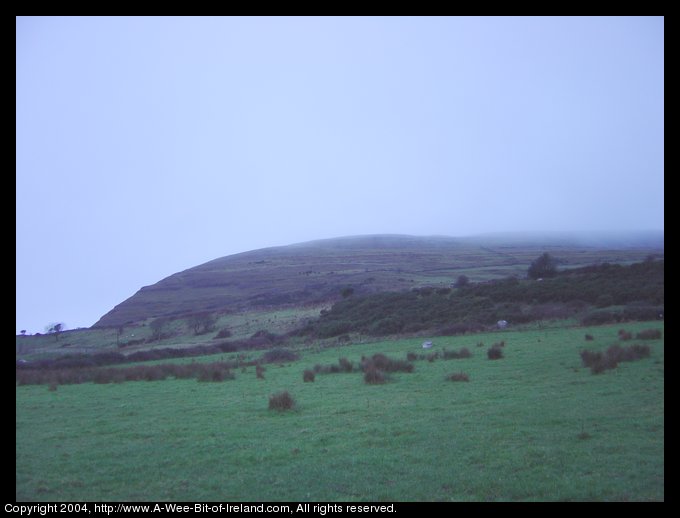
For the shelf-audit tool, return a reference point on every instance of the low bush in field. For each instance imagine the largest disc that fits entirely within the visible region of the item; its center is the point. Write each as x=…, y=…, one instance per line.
x=649, y=334
x=215, y=371
x=495, y=352
x=308, y=376
x=373, y=376
x=458, y=376
x=281, y=401
x=625, y=335
x=345, y=365
x=384, y=363
x=223, y=333
x=280, y=355
x=599, y=361
x=259, y=371
x=456, y=355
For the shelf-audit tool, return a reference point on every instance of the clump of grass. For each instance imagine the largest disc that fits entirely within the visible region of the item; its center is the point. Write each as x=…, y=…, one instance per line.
x=624, y=335
x=384, y=363
x=589, y=338
x=345, y=365
x=495, y=352
x=215, y=373
x=458, y=376
x=373, y=376
x=649, y=334
x=259, y=371
x=280, y=355
x=281, y=401
x=599, y=362
x=308, y=376
x=457, y=355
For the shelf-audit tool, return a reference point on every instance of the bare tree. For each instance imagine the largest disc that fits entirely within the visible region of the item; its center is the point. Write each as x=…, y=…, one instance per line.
x=202, y=323
x=157, y=325
x=56, y=329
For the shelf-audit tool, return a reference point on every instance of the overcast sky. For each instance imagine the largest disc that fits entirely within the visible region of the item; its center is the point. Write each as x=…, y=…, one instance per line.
x=145, y=146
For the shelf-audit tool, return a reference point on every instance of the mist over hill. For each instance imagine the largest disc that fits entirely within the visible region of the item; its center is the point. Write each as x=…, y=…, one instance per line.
x=318, y=272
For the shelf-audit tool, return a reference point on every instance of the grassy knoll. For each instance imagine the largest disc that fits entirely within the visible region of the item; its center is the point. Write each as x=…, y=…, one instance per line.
x=534, y=425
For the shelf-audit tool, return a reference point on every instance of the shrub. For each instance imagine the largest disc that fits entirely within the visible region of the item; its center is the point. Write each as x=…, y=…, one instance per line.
x=456, y=355
x=281, y=401
x=214, y=372
x=383, y=363
x=599, y=362
x=649, y=334
x=458, y=376
x=259, y=371
x=624, y=335
x=495, y=352
x=223, y=333
x=280, y=355
x=345, y=365
x=373, y=376
x=595, y=318
x=308, y=376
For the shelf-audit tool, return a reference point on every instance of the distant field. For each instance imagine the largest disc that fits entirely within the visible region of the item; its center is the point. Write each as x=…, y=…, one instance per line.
x=534, y=425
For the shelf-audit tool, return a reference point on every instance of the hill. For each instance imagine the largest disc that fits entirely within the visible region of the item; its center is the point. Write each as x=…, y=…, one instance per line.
x=317, y=272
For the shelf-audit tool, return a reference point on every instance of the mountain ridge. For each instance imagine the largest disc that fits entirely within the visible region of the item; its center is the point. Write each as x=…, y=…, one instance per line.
x=316, y=272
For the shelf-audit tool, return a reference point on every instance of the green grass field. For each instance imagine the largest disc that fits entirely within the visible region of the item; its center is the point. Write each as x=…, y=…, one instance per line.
x=535, y=425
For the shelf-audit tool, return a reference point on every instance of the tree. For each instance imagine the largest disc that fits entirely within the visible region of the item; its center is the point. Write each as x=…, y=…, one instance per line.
x=119, y=332
x=202, y=323
x=462, y=281
x=157, y=326
x=56, y=329
x=543, y=266
x=23, y=332
x=347, y=292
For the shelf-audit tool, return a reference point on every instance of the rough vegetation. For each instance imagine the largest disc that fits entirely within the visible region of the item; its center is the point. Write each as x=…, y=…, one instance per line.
x=638, y=287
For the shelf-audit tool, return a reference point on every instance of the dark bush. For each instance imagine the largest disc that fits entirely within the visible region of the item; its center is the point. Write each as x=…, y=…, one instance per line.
x=373, y=376
x=589, y=338
x=458, y=376
x=281, y=401
x=649, y=334
x=595, y=318
x=642, y=311
x=598, y=362
x=624, y=335
x=280, y=355
x=345, y=365
x=456, y=355
x=259, y=371
x=494, y=352
x=308, y=376
x=383, y=363
x=223, y=333
x=213, y=372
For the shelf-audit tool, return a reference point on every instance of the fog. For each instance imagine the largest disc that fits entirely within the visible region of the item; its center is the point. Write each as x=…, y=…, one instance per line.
x=146, y=146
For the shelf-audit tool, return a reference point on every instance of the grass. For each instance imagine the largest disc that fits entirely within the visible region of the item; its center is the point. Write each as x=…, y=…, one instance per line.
x=534, y=426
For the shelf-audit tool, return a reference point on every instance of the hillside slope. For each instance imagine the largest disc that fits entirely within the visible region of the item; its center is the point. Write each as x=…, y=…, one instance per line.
x=316, y=272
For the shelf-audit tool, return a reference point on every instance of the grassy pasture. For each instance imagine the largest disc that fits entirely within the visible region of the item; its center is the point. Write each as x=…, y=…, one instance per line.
x=534, y=425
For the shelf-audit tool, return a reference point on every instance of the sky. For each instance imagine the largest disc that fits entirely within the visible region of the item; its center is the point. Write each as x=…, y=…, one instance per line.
x=146, y=146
